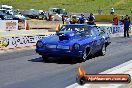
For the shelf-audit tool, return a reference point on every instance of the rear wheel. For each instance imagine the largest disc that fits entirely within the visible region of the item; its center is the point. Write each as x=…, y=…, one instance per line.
x=45, y=58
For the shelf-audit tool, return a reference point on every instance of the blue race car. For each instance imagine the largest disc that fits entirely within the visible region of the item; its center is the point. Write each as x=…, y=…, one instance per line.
x=73, y=40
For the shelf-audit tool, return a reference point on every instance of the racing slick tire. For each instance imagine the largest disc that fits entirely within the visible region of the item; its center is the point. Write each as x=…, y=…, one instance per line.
x=102, y=52
x=45, y=58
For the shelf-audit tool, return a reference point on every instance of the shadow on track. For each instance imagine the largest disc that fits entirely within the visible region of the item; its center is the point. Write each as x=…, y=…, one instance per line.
x=63, y=60
x=57, y=60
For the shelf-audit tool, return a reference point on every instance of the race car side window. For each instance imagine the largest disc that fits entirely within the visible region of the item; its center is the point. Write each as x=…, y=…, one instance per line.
x=88, y=30
x=79, y=30
x=95, y=32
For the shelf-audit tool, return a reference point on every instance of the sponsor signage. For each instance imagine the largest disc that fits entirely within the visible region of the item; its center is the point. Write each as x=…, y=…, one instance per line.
x=19, y=41
x=83, y=77
x=9, y=25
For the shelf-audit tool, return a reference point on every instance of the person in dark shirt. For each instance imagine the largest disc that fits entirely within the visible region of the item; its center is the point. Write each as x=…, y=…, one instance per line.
x=82, y=19
x=121, y=20
x=91, y=19
x=63, y=19
x=129, y=20
x=126, y=26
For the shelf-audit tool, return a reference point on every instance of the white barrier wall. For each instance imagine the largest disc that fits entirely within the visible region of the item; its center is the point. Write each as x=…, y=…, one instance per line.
x=112, y=29
x=23, y=41
x=8, y=24
x=19, y=41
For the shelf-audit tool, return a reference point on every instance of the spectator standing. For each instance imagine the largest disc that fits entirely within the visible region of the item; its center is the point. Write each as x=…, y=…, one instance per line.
x=49, y=17
x=74, y=19
x=115, y=24
x=112, y=11
x=126, y=26
x=115, y=20
x=129, y=20
x=82, y=19
x=121, y=20
x=99, y=11
x=63, y=19
x=69, y=20
x=91, y=19
x=129, y=23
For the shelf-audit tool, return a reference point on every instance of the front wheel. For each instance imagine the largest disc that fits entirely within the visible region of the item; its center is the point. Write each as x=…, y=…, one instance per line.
x=85, y=54
x=102, y=52
x=45, y=58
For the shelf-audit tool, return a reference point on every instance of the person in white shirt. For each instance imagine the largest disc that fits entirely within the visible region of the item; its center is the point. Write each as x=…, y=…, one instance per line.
x=112, y=11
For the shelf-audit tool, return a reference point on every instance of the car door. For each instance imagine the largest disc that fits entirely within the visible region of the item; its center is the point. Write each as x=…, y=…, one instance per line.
x=94, y=41
x=89, y=42
x=97, y=39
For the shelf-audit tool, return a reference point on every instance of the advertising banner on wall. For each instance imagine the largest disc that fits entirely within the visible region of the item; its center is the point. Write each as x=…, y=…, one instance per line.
x=7, y=42
x=9, y=25
x=112, y=29
x=30, y=40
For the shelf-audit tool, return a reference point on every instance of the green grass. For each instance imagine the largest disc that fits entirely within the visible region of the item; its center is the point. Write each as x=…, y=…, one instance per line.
x=121, y=6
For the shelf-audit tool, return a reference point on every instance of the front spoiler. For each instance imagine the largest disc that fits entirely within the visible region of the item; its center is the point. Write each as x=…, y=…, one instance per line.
x=59, y=53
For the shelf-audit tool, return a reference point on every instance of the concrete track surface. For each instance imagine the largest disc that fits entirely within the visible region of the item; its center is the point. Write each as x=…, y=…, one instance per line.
x=25, y=69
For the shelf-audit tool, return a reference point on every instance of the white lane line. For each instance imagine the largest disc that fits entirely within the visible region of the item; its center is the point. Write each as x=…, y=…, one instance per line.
x=119, y=68
x=125, y=68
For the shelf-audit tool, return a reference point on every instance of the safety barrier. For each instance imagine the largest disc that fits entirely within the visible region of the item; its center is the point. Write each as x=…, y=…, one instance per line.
x=11, y=42
x=17, y=41
x=112, y=29
x=13, y=25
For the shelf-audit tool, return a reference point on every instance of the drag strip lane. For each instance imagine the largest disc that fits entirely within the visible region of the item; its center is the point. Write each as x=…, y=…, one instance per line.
x=28, y=71
x=16, y=54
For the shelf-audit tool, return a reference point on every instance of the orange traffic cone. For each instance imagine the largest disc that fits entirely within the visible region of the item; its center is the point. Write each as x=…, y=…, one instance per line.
x=58, y=27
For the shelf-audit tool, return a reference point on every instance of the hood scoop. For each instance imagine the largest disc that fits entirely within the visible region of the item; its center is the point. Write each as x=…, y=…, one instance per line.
x=65, y=35
x=62, y=37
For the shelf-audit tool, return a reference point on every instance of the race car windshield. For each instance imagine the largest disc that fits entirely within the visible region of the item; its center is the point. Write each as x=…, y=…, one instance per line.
x=80, y=30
